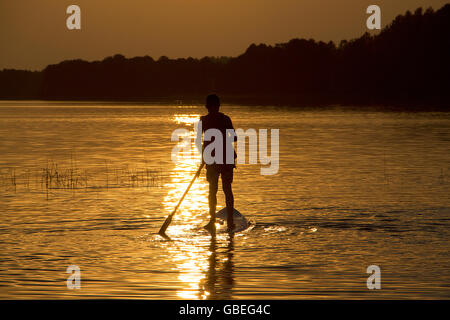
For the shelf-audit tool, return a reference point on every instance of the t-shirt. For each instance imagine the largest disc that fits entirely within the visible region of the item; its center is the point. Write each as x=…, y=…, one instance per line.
x=222, y=122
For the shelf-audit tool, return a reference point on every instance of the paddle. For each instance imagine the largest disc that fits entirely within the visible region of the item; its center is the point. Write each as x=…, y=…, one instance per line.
x=166, y=223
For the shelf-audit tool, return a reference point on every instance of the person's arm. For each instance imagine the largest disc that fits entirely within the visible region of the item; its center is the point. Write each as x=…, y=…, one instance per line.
x=200, y=138
x=230, y=126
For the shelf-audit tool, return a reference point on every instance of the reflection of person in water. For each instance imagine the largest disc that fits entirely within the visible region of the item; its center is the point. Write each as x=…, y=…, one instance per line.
x=218, y=283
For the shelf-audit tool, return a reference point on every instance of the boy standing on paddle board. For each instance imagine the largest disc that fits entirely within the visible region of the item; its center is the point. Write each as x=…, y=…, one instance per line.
x=221, y=166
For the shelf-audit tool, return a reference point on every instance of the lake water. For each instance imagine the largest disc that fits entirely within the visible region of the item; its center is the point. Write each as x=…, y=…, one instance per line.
x=90, y=184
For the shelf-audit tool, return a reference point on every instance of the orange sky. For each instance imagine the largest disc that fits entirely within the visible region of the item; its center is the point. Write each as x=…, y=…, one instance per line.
x=33, y=33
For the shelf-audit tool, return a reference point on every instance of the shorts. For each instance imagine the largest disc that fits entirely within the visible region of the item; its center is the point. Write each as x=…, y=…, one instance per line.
x=213, y=172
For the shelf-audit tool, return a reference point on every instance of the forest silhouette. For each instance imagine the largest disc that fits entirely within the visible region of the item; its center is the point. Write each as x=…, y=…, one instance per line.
x=406, y=64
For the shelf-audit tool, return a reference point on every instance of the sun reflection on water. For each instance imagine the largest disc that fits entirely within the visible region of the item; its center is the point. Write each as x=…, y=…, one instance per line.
x=194, y=207
x=190, y=257
x=195, y=253
x=186, y=119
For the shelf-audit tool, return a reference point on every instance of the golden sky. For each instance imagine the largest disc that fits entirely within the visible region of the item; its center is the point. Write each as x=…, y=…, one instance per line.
x=33, y=33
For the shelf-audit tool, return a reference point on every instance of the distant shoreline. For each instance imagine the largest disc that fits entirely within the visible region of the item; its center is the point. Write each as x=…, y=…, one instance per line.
x=254, y=102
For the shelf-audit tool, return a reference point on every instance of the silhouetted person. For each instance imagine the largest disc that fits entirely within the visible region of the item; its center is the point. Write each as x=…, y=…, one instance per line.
x=223, y=168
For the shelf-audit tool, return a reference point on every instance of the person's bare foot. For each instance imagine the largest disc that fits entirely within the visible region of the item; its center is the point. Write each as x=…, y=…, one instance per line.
x=211, y=226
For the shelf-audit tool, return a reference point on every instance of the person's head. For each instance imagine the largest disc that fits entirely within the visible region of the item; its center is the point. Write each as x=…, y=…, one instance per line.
x=212, y=103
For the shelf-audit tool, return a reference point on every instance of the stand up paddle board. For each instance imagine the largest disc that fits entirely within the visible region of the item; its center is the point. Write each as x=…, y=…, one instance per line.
x=240, y=222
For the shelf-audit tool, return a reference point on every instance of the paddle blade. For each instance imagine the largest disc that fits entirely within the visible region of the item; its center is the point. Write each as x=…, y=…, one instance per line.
x=165, y=225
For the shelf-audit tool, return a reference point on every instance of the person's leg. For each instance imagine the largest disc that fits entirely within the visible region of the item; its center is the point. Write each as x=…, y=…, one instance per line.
x=212, y=198
x=212, y=176
x=227, y=179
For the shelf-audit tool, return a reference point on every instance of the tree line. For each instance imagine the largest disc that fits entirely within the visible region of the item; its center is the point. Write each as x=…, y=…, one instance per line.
x=407, y=63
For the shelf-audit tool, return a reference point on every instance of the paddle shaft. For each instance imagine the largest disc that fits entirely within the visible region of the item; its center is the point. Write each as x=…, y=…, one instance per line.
x=169, y=218
x=187, y=190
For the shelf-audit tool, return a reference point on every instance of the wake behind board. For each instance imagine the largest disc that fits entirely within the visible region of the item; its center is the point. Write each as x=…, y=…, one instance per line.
x=240, y=222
